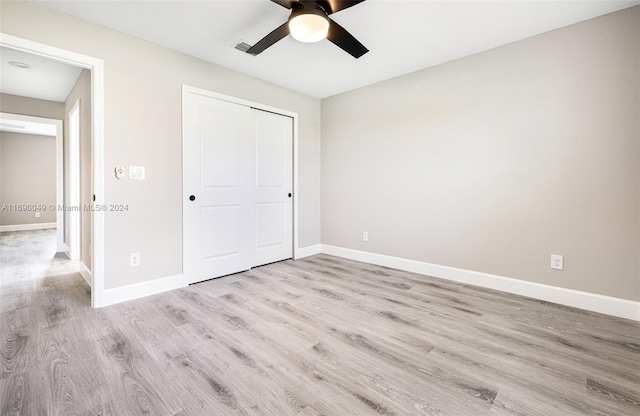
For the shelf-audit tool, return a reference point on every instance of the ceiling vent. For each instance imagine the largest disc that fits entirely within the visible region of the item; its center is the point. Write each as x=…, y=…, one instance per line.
x=242, y=46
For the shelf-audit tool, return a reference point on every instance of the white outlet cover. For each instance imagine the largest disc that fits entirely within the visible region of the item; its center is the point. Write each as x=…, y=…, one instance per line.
x=134, y=259
x=557, y=262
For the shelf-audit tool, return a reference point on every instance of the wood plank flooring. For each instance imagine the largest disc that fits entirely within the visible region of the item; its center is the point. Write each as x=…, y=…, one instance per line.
x=318, y=336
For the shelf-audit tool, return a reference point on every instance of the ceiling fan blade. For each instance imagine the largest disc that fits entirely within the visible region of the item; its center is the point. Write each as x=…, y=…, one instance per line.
x=284, y=3
x=345, y=40
x=334, y=6
x=270, y=39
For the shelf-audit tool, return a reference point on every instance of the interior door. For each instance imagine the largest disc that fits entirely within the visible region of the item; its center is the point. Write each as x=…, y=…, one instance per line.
x=238, y=210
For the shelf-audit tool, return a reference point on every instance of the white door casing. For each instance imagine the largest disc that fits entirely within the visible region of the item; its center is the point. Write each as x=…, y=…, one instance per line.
x=73, y=181
x=238, y=178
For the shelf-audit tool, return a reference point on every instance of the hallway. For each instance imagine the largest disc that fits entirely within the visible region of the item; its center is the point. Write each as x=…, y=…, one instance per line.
x=30, y=269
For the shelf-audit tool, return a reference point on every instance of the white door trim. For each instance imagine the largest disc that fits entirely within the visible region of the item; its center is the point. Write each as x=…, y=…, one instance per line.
x=73, y=179
x=186, y=89
x=60, y=246
x=97, y=142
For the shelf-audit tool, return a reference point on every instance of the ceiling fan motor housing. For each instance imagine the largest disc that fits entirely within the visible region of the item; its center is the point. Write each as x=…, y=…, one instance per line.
x=307, y=7
x=308, y=22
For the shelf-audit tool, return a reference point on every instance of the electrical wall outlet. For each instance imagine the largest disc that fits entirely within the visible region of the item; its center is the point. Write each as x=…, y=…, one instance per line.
x=365, y=236
x=557, y=262
x=134, y=259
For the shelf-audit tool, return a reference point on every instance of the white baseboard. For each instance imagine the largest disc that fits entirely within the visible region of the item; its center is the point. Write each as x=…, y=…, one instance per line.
x=28, y=227
x=609, y=305
x=86, y=273
x=308, y=251
x=142, y=289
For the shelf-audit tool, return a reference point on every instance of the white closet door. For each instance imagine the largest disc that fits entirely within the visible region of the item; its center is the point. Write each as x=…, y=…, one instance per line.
x=273, y=205
x=219, y=172
x=237, y=187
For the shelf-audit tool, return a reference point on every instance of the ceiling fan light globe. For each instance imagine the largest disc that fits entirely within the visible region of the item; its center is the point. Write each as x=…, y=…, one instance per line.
x=309, y=28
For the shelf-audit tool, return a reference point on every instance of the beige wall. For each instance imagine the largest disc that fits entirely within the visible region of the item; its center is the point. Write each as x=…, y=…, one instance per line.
x=30, y=106
x=143, y=87
x=27, y=176
x=14, y=104
x=496, y=161
x=81, y=91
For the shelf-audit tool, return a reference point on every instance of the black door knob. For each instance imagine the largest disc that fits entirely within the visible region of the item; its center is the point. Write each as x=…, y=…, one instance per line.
x=192, y=198
x=289, y=194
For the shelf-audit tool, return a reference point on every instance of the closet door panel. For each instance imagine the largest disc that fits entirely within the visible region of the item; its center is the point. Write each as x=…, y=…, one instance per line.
x=219, y=171
x=273, y=187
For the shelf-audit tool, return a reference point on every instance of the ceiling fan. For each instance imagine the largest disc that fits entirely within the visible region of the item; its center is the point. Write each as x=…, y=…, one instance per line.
x=310, y=22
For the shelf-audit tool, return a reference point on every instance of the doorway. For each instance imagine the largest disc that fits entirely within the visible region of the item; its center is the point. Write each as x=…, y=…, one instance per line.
x=46, y=127
x=239, y=185
x=96, y=157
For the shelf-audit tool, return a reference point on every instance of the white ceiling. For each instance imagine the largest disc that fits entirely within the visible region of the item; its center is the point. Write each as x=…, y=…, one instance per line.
x=45, y=80
x=403, y=36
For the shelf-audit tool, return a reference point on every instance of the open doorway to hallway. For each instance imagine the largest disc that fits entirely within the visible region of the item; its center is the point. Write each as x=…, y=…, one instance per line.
x=45, y=186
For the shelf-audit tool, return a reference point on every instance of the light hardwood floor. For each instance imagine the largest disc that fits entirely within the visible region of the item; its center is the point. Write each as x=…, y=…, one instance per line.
x=318, y=336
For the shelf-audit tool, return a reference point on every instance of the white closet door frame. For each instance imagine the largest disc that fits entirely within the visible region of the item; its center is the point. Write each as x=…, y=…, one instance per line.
x=186, y=89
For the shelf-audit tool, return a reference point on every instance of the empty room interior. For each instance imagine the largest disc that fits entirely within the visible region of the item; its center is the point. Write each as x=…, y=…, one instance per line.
x=311, y=207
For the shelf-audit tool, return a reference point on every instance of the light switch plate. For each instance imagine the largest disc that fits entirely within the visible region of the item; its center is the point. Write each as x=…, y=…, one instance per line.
x=136, y=172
